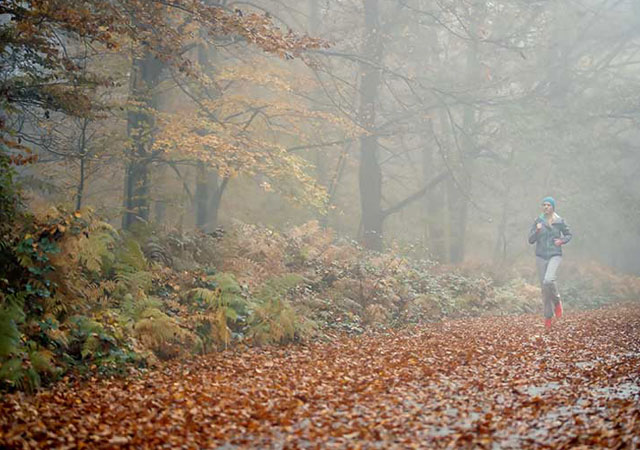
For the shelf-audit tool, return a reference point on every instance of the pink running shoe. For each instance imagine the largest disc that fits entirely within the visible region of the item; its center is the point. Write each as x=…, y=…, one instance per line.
x=558, y=310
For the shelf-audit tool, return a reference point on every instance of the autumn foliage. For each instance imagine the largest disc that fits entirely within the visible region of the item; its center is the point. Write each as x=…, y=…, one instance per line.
x=472, y=383
x=252, y=336
x=85, y=298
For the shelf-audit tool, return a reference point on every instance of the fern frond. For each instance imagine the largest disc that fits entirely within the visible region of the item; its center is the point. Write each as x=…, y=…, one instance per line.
x=227, y=295
x=133, y=281
x=41, y=360
x=273, y=321
x=226, y=283
x=95, y=251
x=164, y=336
x=85, y=326
x=59, y=336
x=278, y=287
x=11, y=316
x=13, y=374
x=246, y=271
x=9, y=333
x=130, y=258
x=212, y=298
x=104, y=227
x=136, y=309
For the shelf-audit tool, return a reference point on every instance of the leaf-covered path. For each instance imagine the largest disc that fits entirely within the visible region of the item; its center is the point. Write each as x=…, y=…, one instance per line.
x=459, y=383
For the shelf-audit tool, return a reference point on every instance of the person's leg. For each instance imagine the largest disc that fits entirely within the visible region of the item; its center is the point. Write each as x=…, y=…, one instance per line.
x=549, y=281
x=547, y=302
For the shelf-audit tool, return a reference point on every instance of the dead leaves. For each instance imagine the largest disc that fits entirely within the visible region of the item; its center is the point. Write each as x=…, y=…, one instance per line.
x=466, y=383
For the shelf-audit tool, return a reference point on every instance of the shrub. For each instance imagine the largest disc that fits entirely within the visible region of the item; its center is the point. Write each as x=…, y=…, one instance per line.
x=273, y=319
x=218, y=312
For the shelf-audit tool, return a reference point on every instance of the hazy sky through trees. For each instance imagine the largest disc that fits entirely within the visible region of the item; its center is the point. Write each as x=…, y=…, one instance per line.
x=441, y=123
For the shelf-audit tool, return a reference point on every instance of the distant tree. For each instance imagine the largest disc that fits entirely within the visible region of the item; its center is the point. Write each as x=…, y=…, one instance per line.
x=40, y=75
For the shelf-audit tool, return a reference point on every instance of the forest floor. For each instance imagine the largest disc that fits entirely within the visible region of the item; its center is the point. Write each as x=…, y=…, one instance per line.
x=484, y=382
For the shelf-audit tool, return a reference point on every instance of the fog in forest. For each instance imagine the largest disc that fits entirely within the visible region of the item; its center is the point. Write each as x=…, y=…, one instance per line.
x=434, y=127
x=319, y=223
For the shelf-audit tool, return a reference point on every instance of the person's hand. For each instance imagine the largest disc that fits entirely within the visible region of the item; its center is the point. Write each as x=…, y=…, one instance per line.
x=538, y=227
x=558, y=242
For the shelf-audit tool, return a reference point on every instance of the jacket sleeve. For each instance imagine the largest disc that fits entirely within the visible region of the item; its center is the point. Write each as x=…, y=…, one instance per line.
x=566, y=233
x=533, y=234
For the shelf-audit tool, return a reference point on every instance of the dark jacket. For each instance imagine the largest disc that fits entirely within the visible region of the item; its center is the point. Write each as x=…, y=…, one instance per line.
x=544, y=239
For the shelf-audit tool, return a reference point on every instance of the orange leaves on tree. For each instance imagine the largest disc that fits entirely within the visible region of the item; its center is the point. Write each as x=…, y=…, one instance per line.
x=164, y=29
x=249, y=127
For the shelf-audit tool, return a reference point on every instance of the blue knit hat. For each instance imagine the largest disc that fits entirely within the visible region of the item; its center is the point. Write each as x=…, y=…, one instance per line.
x=550, y=200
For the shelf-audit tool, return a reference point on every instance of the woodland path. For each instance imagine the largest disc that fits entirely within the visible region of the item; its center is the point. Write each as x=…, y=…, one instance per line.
x=492, y=382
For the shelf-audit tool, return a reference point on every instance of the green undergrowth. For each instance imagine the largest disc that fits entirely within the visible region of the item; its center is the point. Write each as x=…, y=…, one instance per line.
x=79, y=297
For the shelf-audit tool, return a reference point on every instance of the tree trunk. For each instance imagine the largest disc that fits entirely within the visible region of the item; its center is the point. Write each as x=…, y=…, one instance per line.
x=209, y=190
x=370, y=176
x=322, y=163
x=145, y=74
x=458, y=211
x=433, y=209
x=217, y=188
x=201, y=198
x=160, y=211
x=209, y=187
x=82, y=153
x=459, y=189
x=80, y=191
x=500, y=249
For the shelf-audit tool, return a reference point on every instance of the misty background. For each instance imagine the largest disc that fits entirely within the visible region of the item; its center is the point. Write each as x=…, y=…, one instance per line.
x=437, y=126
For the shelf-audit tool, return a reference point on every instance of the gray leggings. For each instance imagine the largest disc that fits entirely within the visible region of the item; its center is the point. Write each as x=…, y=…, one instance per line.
x=547, y=269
